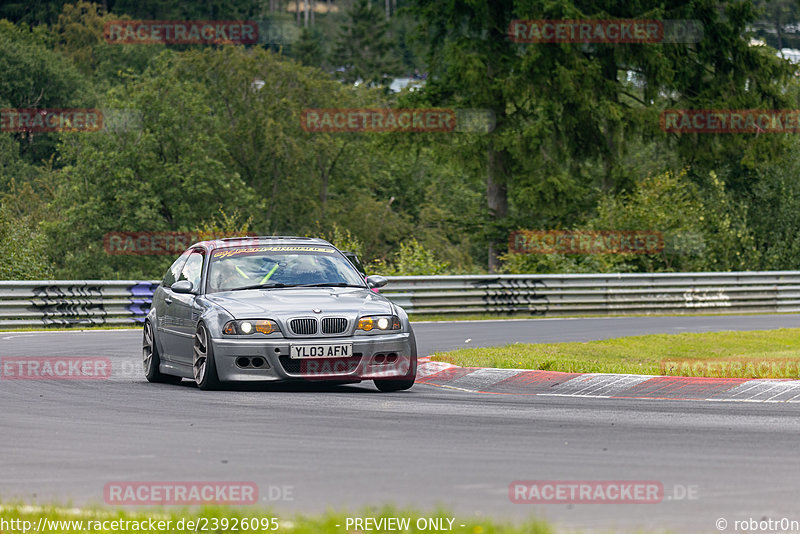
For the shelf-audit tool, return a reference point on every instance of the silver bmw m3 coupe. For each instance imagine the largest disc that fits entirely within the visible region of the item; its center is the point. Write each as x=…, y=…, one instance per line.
x=275, y=309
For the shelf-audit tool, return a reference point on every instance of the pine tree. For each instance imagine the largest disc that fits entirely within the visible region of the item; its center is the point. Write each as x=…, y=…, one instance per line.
x=307, y=49
x=365, y=48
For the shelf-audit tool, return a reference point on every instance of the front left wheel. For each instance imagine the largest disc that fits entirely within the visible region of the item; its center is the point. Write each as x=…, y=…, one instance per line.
x=151, y=360
x=203, y=365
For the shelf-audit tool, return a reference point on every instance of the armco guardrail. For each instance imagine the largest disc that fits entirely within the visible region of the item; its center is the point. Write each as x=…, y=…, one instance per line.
x=93, y=302
x=74, y=302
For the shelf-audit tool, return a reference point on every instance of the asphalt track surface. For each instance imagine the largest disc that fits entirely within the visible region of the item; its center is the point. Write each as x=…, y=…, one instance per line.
x=348, y=447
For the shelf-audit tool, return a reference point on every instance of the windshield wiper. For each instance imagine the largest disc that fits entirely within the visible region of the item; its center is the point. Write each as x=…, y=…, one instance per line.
x=260, y=286
x=272, y=285
x=327, y=284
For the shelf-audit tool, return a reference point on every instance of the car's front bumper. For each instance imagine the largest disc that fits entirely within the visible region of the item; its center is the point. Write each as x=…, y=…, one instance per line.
x=383, y=356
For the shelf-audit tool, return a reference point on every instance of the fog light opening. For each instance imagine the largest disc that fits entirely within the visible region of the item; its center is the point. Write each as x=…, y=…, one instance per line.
x=391, y=358
x=379, y=358
x=258, y=362
x=243, y=362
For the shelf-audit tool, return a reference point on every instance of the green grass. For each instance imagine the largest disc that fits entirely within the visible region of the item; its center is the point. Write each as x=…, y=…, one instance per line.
x=333, y=522
x=76, y=328
x=418, y=317
x=752, y=354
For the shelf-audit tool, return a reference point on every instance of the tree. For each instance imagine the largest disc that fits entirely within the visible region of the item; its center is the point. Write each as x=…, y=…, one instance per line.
x=23, y=248
x=566, y=113
x=217, y=129
x=79, y=35
x=365, y=48
x=163, y=172
x=307, y=49
x=775, y=16
x=36, y=77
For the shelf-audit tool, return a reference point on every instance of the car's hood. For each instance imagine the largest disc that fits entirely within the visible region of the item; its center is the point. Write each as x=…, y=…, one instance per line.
x=293, y=302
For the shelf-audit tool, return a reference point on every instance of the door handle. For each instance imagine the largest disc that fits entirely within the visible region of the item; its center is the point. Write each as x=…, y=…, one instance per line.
x=168, y=300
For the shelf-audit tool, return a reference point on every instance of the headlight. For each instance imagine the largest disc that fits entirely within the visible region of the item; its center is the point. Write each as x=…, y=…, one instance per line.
x=250, y=326
x=379, y=322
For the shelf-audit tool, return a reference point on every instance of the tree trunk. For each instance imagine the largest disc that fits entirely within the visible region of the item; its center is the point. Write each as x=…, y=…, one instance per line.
x=497, y=198
x=274, y=199
x=496, y=168
x=323, y=191
x=305, y=15
x=612, y=126
x=388, y=9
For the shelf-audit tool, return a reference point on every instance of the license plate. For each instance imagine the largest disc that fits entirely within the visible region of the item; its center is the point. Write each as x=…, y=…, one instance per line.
x=298, y=352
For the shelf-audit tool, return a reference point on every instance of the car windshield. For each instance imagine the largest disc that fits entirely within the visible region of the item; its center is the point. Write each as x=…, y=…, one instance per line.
x=279, y=266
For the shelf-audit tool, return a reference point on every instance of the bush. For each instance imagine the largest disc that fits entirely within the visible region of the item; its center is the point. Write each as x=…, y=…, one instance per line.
x=412, y=259
x=23, y=250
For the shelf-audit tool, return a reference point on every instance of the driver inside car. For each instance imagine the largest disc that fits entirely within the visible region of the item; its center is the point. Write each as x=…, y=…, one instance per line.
x=229, y=276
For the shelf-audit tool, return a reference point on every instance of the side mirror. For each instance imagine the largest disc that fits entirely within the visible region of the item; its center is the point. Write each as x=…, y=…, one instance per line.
x=184, y=286
x=376, y=281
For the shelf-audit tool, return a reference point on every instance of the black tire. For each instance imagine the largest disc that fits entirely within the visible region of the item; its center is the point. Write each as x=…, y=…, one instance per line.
x=204, y=367
x=407, y=381
x=387, y=386
x=151, y=360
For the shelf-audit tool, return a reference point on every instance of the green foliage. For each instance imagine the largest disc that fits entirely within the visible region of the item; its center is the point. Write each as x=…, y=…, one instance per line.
x=365, y=47
x=166, y=174
x=34, y=76
x=78, y=34
x=412, y=259
x=23, y=249
x=702, y=230
x=341, y=238
x=210, y=138
x=308, y=49
x=222, y=225
x=775, y=219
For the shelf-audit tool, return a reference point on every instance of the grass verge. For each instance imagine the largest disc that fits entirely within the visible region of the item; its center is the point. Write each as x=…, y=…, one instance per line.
x=751, y=354
x=228, y=519
x=76, y=328
x=417, y=317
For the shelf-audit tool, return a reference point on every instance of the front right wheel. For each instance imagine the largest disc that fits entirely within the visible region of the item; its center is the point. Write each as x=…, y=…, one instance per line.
x=394, y=385
x=399, y=384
